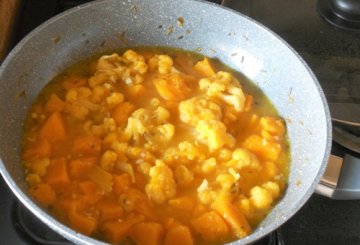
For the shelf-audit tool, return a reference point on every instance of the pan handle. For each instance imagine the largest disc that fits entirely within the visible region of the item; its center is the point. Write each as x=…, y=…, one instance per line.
x=341, y=179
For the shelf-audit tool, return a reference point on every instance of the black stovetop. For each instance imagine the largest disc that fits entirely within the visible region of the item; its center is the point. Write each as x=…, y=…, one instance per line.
x=333, y=55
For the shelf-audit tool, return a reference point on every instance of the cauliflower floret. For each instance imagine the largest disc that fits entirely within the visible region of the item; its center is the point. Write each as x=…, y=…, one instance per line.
x=162, y=186
x=164, y=133
x=184, y=153
x=76, y=110
x=273, y=188
x=137, y=124
x=38, y=166
x=71, y=95
x=161, y=114
x=114, y=99
x=144, y=168
x=183, y=175
x=84, y=92
x=224, y=155
x=205, y=194
x=128, y=68
x=243, y=158
x=213, y=134
x=188, y=150
x=208, y=165
x=261, y=198
x=80, y=101
x=108, y=125
x=163, y=63
x=153, y=129
x=222, y=86
x=98, y=94
x=198, y=108
x=273, y=128
x=227, y=182
x=33, y=179
x=107, y=161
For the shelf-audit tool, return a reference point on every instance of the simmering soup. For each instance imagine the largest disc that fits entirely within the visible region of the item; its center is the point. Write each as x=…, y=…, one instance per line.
x=155, y=146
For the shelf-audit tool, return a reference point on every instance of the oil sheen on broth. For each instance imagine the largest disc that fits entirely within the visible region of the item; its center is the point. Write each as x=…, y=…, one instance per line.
x=155, y=146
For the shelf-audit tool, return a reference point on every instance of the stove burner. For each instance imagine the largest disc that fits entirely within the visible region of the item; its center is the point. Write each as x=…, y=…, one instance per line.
x=32, y=229
x=343, y=14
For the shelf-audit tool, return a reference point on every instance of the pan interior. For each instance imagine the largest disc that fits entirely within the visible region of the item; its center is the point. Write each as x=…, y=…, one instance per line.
x=206, y=28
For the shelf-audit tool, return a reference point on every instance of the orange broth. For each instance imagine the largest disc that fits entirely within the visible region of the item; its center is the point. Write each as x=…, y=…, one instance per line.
x=155, y=146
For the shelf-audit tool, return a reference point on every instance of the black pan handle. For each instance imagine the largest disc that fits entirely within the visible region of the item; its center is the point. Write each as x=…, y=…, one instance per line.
x=341, y=179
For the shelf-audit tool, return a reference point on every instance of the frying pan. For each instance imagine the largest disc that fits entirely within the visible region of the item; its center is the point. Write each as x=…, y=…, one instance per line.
x=212, y=30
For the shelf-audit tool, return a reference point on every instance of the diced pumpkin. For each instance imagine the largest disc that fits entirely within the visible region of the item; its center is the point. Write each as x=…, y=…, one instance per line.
x=43, y=193
x=234, y=217
x=122, y=112
x=53, y=129
x=74, y=81
x=102, y=178
x=182, y=203
x=264, y=148
x=92, y=193
x=205, y=67
x=121, y=183
x=179, y=235
x=57, y=172
x=140, y=203
x=41, y=149
x=210, y=226
x=79, y=168
x=172, y=87
x=54, y=103
x=147, y=233
x=116, y=231
x=81, y=222
x=88, y=187
x=87, y=144
x=109, y=210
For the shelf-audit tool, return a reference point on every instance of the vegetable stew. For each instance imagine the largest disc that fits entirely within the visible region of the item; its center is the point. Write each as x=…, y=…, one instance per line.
x=155, y=146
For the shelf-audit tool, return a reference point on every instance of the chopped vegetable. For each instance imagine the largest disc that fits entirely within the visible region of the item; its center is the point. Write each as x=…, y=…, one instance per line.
x=157, y=147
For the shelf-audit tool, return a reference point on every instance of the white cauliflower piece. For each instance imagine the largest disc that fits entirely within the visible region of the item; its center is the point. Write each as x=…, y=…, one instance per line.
x=198, y=108
x=163, y=63
x=208, y=165
x=114, y=98
x=227, y=182
x=243, y=158
x=161, y=114
x=150, y=126
x=107, y=161
x=38, y=166
x=260, y=197
x=164, y=133
x=188, y=150
x=223, y=86
x=205, y=194
x=137, y=124
x=108, y=125
x=213, y=134
x=128, y=68
x=161, y=186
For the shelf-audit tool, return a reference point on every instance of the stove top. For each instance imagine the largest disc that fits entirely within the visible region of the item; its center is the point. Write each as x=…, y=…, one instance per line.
x=333, y=55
